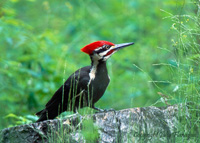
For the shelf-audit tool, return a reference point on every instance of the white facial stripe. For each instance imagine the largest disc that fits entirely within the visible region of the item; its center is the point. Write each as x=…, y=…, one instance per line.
x=104, y=53
x=98, y=48
x=96, y=57
x=108, y=56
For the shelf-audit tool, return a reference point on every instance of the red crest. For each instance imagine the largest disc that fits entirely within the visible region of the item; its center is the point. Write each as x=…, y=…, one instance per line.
x=88, y=49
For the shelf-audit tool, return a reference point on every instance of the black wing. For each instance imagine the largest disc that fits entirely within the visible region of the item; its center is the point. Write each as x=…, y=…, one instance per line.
x=67, y=96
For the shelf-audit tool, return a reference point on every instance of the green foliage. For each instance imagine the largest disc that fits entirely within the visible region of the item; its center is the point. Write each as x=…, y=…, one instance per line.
x=40, y=47
x=89, y=131
x=19, y=120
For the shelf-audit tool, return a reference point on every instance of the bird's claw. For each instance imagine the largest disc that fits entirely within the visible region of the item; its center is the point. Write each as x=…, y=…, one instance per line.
x=103, y=110
x=108, y=110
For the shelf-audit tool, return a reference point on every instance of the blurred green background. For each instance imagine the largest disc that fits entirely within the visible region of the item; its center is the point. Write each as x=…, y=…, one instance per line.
x=40, y=44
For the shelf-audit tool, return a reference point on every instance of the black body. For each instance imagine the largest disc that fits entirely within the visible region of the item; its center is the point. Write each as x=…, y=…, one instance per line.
x=77, y=92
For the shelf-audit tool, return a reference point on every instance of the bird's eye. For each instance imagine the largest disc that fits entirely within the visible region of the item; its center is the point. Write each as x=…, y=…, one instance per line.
x=106, y=47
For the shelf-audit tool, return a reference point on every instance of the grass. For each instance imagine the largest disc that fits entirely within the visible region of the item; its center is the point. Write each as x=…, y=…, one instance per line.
x=186, y=28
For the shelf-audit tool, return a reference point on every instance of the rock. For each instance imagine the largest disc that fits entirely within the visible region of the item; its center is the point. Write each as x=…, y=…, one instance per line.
x=128, y=125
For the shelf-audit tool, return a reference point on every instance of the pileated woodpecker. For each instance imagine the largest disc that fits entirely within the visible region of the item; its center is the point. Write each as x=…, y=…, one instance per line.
x=86, y=86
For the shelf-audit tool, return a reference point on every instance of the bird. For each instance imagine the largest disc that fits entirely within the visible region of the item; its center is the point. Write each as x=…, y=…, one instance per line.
x=86, y=85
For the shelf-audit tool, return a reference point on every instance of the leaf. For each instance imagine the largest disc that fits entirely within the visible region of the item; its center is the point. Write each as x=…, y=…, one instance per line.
x=11, y=115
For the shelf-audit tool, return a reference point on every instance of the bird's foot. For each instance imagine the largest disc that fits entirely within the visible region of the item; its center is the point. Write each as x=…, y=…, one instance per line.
x=98, y=109
x=103, y=110
x=108, y=110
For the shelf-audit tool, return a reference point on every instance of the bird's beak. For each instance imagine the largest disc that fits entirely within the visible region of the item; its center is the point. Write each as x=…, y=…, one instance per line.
x=120, y=46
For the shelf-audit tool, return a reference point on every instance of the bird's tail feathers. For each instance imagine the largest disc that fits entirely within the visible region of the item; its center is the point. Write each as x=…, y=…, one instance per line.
x=42, y=115
x=39, y=113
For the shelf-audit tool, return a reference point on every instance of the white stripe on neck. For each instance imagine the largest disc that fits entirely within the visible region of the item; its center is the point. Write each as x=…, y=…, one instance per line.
x=93, y=71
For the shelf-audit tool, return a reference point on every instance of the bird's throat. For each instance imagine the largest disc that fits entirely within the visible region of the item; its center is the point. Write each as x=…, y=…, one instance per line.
x=98, y=65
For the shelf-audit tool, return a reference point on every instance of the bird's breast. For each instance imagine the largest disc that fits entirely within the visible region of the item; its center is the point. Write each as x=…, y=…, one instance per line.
x=98, y=86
